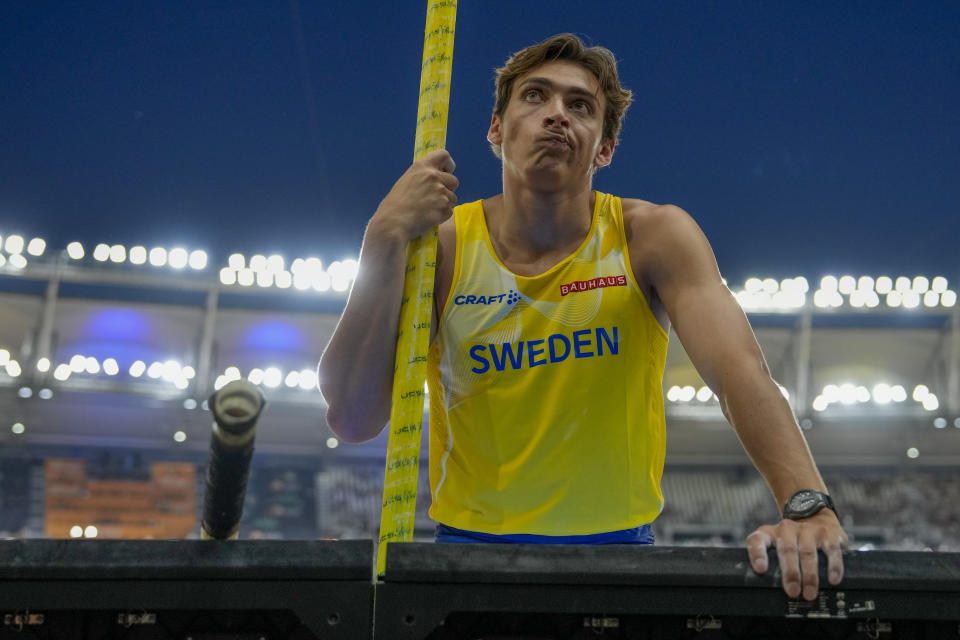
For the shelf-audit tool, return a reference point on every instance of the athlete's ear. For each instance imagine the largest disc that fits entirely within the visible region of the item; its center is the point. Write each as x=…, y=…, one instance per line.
x=604, y=153
x=494, y=135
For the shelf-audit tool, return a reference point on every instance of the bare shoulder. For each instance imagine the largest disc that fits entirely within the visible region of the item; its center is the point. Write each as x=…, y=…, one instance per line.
x=657, y=231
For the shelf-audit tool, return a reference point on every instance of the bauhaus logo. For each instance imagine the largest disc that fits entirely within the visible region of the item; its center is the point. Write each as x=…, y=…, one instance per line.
x=596, y=283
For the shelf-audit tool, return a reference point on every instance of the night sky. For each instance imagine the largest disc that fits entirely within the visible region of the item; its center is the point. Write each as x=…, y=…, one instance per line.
x=805, y=138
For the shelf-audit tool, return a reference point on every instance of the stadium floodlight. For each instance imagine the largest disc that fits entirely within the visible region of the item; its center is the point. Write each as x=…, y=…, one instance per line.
x=884, y=285
x=882, y=393
x=284, y=279
x=189, y=404
x=178, y=258
x=155, y=370
x=101, y=252
x=351, y=268
x=264, y=279
x=894, y=299
x=913, y=452
x=301, y=281
x=321, y=282
x=272, y=377
x=931, y=403
x=948, y=298
x=236, y=261
x=938, y=284
x=37, y=246
x=138, y=368
x=704, y=394
x=25, y=392
x=332, y=443
x=4, y=356
x=920, y=392
x=62, y=372
x=43, y=365
x=189, y=372
x=293, y=379
x=78, y=363
x=940, y=422
x=76, y=531
x=220, y=383
x=158, y=256
x=75, y=251
x=308, y=379
x=110, y=367
x=45, y=394
x=846, y=285
x=673, y=394
x=232, y=373
x=258, y=262
x=90, y=532
x=228, y=276
x=92, y=366
x=13, y=369
x=820, y=403
x=848, y=394
x=171, y=370
x=863, y=394
x=770, y=286
x=181, y=384
x=687, y=393
x=902, y=284
x=858, y=298
x=17, y=428
x=865, y=283
x=138, y=255
x=931, y=299
x=275, y=263
x=920, y=284
x=255, y=376
x=179, y=436
x=14, y=244
x=118, y=253
x=245, y=277
x=3, y=260
x=911, y=299
x=17, y=261
x=898, y=393
x=873, y=300
x=752, y=285
x=198, y=260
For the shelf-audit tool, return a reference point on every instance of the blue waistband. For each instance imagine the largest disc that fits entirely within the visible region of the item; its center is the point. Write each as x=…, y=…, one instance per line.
x=636, y=535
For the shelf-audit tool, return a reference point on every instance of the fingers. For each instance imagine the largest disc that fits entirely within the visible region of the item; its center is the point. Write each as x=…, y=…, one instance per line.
x=807, y=543
x=833, y=548
x=757, y=544
x=797, y=543
x=788, y=555
x=439, y=159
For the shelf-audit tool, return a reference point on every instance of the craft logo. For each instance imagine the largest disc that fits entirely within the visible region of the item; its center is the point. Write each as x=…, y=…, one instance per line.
x=597, y=283
x=511, y=297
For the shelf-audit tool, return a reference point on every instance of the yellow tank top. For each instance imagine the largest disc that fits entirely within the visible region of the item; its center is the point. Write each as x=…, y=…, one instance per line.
x=546, y=396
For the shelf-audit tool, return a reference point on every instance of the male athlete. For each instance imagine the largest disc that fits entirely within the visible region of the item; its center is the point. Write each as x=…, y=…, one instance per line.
x=552, y=306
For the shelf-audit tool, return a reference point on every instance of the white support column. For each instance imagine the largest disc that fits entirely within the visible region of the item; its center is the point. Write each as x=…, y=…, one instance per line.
x=44, y=339
x=953, y=366
x=204, y=386
x=801, y=405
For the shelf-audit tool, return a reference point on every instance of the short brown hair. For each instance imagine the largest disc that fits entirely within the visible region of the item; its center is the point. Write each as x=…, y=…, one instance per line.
x=566, y=46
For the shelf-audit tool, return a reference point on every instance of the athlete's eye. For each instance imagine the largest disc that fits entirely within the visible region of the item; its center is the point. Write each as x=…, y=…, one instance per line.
x=581, y=105
x=532, y=94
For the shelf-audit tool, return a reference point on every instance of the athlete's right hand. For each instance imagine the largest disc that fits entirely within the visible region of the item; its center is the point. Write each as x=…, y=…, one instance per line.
x=422, y=198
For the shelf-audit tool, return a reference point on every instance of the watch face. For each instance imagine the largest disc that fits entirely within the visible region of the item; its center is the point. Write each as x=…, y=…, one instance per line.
x=803, y=501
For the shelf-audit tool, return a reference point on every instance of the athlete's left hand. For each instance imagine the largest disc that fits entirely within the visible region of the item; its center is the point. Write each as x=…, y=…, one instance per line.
x=797, y=542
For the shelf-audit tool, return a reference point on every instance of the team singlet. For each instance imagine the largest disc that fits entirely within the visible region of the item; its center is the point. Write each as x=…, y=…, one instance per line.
x=546, y=400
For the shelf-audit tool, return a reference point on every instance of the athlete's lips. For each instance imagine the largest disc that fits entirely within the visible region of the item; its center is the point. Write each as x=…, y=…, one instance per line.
x=555, y=139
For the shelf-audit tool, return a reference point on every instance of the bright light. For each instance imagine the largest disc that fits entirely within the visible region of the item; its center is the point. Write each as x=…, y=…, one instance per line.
x=101, y=253
x=45, y=394
x=351, y=266
x=90, y=532
x=245, y=277
x=752, y=285
x=92, y=366
x=14, y=244
x=138, y=255
x=17, y=261
x=847, y=284
x=13, y=369
x=913, y=452
x=687, y=393
x=179, y=436
x=236, y=261
x=673, y=394
x=894, y=299
x=920, y=392
x=158, y=256
x=321, y=282
x=264, y=279
x=78, y=363
x=948, y=298
x=110, y=367
x=931, y=299
x=76, y=531
x=258, y=263
x=898, y=393
x=155, y=370
x=3, y=260
x=220, y=383
x=902, y=284
x=232, y=373
x=272, y=377
x=920, y=284
x=820, y=403
x=43, y=365
x=911, y=299
x=25, y=392
x=228, y=276
x=938, y=284
x=255, y=376
x=704, y=394
x=275, y=263
x=308, y=379
x=884, y=284
x=189, y=404
x=931, y=403
x=178, y=258
x=62, y=372
x=284, y=279
x=292, y=379
x=940, y=423
x=37, y=246
x=17, y=428
x=137, y=368
x=75, y=251
x=332, y=443
x=831, y=393
x=848, y=394
x=171, y=370
x=4, y=356
x=882, y=394
x=181, y=383
x=865, y=283
x=189, y=372
x=198, y=260
x=783, y=391
x=118, y=253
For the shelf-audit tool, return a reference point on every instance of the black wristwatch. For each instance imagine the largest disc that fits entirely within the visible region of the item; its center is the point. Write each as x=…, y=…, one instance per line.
x=805, y=503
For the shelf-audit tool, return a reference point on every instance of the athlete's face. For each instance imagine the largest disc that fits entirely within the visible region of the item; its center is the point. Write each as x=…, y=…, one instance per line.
x=552, y=127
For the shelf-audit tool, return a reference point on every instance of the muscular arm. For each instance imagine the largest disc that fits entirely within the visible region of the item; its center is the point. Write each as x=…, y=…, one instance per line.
x=356, y=370
x=679, y=264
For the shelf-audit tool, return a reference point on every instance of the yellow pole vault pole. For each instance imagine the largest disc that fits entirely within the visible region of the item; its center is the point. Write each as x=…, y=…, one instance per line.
x=413, y=335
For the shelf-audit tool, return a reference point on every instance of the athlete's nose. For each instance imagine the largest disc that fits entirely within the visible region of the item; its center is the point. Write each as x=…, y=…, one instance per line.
x=557, y=116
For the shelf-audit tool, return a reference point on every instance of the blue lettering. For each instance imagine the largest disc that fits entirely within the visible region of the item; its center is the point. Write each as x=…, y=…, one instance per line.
x=475, y=351
x=614, y=344
x=533, y=353
x=481, y=300
x=566, y=347
x=516, y=359
x=501, y=297
x=471, y=299
x=579, y=341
